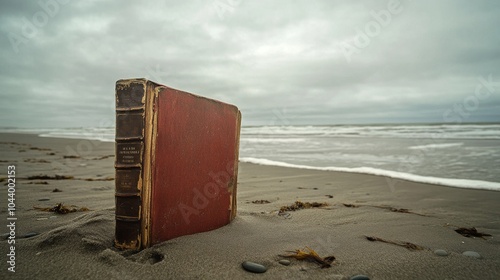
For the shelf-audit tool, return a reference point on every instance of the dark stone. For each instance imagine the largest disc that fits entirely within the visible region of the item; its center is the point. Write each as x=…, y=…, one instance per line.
x=360, y=277
x=253, y=267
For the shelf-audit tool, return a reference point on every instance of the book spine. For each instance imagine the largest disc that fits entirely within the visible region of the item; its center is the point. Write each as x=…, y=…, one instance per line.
x=129, y=144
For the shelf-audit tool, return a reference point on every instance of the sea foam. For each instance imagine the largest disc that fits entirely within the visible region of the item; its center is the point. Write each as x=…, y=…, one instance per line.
x=436, y=146
x=457, y=183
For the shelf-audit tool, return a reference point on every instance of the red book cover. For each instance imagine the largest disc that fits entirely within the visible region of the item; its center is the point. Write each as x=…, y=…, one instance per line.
x=177, y=157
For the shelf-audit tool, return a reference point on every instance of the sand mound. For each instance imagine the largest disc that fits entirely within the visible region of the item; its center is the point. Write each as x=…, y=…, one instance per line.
x=89, y=232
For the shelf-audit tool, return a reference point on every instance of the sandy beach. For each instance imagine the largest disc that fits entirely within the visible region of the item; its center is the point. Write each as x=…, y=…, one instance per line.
x=79, y=245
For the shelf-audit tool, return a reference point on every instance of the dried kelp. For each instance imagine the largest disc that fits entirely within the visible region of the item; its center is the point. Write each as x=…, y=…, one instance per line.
x=9, y=143
x=262, y=201
x=64, y=177
x=72, y=156
x=310, y=255
x=407, y=245
x=62, y=209
x=38, y=183
x=32, y=160
x=392, y=209
x=298, y=205
x=350, y=205
x=47, y=177
x=40, y=149
x=471, y=232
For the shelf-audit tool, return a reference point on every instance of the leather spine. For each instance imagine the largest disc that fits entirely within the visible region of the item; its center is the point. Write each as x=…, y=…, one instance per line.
x=129, y=144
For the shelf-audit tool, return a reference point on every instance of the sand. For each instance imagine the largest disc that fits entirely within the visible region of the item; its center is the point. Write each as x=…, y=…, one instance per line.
x=79, y=245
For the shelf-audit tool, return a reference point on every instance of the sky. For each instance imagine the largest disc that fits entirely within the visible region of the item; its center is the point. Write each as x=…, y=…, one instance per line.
x=281, y=62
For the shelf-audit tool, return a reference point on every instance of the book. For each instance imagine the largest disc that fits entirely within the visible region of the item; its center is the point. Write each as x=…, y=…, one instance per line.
x=176, y=163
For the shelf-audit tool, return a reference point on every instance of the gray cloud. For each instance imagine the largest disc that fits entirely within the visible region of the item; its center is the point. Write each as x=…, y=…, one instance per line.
x=281, y=62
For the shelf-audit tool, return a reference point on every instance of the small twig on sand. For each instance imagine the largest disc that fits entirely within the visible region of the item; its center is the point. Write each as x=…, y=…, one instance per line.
x=400, y=210
x=407, y=245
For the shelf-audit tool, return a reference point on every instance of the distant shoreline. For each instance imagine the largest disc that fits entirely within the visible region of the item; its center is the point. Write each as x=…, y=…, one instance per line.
x=393, y=177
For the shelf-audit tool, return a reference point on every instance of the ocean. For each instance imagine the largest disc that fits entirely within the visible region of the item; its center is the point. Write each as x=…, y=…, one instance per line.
x=465, y=155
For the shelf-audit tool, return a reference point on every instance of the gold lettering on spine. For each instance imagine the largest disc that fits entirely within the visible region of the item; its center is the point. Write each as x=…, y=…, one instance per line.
x=130, y=154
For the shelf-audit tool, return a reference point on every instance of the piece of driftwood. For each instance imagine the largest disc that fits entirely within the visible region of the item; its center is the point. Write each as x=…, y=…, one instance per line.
x=310, y=255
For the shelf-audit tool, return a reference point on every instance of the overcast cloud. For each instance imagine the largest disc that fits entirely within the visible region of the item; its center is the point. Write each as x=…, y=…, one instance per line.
x=280, y=62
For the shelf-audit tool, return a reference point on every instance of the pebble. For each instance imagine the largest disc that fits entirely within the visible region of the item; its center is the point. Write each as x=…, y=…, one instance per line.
x=472, y=254
x=441, y=252
x=44, y=199
x=285, y=262
x=253, y=267
x=30, y=234
x=5, y=235
x=360, y=277
x=42, y=219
